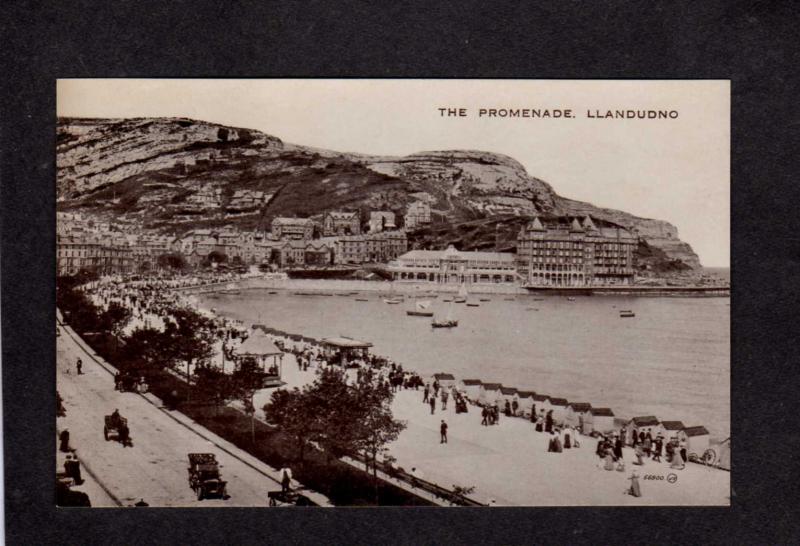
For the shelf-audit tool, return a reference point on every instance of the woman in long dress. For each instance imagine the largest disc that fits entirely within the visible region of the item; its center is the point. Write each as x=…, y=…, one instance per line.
x=634, y=489
x=567, y=433
x=609, y=460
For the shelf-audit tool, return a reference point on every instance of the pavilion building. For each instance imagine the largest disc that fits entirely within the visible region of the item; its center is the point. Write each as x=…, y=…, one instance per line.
x=451, y=266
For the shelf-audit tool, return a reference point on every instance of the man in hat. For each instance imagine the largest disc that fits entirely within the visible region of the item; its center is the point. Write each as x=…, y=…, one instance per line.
x=443, y=432
x=657, y=445
x=79, y=366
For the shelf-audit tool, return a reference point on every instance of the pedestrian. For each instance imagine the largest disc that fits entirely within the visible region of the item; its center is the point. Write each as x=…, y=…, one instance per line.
x=286, y=479
x=79, y=366
x=432, y=402
x=634, y=489
x=425, y=395
x=72, y=467
x=682, y=451
x=638, y=453
x=444, y=399
x=657, y=446
x=64, y=441
x=443, y=432
x=647, y=445
x=484, y=416
x=141, y=504
x=548, y=422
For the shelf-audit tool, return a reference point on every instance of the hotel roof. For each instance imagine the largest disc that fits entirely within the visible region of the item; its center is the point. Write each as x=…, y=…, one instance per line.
x=508, y=390
x=602, y=412
x=580, y=406
x=471, y=381
x=491, y=386
x=558, y=402
x=446, y=376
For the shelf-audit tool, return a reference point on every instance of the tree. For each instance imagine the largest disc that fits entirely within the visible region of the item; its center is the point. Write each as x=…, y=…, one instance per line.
x=189, y=337
x=144, y=352
x=246, y=380
x=115, y=318
x=291, y=413
x=213, y=385
x=172, y=261
x=375, y=425
x=216, y=256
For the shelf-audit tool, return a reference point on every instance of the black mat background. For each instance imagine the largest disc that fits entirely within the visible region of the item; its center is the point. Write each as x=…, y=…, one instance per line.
x=752, y=43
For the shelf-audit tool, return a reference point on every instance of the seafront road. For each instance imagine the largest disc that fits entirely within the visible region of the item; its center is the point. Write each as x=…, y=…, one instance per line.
x=155, y=468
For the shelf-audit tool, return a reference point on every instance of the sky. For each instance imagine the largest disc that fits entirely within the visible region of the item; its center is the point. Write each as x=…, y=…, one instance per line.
x=675, y=169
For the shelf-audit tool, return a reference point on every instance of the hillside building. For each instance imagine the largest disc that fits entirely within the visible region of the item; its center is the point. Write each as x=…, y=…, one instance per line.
x=381, y=221
x=102, y=255
x=370, y=248
x=292, y=228
x=565, y=253
x=341, y=223
x=418, y=214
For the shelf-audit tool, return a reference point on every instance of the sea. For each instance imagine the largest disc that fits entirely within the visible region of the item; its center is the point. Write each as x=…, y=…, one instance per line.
x=671, y=360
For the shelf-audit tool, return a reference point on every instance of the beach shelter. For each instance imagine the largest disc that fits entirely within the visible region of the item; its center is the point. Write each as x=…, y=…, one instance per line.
x=599, y=420
x=446, y=380
x=262, y=349
x=696, y=438
x=341, y=350
x=471, y=388
x=644, y=423
x=559, y=407
x=670, y=429
x=577, y=413
x=490, y=393
x=525, y=401
x=507, y=394
x=539, y=403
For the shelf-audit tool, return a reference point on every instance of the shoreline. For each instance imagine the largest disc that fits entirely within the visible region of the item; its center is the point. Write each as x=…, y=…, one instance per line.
x=405, y=287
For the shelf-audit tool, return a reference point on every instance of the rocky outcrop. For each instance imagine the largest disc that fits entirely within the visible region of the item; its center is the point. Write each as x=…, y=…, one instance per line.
x=173, y=173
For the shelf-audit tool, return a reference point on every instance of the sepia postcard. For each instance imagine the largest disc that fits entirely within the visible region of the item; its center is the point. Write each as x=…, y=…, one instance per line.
x=322, y=292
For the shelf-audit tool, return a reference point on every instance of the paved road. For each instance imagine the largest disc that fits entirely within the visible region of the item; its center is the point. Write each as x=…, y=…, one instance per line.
x=155, y=469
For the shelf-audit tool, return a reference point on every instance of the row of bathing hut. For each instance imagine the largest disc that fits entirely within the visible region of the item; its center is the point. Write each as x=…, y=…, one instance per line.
x=580, y=415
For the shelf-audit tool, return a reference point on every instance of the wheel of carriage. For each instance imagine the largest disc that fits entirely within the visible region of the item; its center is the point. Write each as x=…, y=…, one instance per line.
x=199, y=493
x=709, y=457
x=105, y=433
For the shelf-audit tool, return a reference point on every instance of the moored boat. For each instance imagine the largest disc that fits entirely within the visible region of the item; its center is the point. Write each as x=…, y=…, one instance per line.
x=626, y=313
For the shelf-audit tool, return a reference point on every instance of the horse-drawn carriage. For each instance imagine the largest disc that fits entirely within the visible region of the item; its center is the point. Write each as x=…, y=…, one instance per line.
x=116, y=427
x=204, y=476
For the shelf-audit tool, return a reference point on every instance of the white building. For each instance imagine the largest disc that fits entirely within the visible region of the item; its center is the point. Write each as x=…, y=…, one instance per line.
x=451, y=266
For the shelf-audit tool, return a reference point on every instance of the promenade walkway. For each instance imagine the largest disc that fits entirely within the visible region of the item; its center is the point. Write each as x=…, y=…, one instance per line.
x=155, y=469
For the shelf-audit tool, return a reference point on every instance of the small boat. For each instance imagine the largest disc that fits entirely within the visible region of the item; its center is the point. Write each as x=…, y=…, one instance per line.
x=344, y=294
x=626, y=313
x=473, y=304
x=462, y=294
x=447, y=322
x=272, y=292
x=362, y=299
x=444, y=323
x=392, y=301
x=421, y=309
x=447, y=300
x=485, y=299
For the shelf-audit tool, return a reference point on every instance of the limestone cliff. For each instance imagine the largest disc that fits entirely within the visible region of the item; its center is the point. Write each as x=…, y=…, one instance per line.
x=172, y=174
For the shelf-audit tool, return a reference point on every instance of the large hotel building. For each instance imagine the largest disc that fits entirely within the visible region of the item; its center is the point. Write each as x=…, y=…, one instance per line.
x=560, y=253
